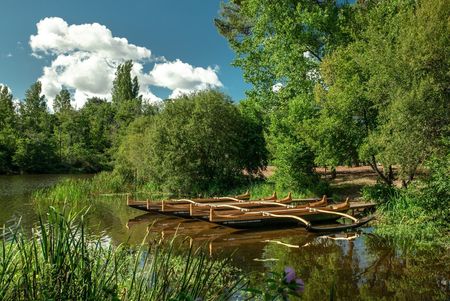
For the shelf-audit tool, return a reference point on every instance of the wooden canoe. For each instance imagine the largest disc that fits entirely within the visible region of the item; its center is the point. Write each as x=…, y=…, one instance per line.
x=182, y=207
x=238, y=213
x=304, y=214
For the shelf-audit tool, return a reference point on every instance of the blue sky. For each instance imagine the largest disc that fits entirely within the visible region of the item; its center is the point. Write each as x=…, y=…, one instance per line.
x=180, y=35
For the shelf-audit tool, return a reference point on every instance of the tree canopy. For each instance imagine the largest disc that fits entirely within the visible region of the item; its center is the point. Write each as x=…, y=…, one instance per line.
x=344, y=84
x=199, y=142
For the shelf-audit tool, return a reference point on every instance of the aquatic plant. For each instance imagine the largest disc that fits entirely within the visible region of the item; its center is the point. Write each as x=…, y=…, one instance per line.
x=278, y=286
x=60, y=261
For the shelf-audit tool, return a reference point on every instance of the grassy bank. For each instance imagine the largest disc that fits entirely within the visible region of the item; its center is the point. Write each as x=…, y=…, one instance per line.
x=61, y=262
x=83, y=191
x=417, y=216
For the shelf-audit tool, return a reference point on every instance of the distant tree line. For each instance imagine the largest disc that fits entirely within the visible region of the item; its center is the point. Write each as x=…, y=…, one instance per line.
x=196, y=143
x=33, y=140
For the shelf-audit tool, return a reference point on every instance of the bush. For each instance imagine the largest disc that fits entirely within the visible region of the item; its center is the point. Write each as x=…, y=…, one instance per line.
x=198, y=143
x=418, y=215
x=379, y=193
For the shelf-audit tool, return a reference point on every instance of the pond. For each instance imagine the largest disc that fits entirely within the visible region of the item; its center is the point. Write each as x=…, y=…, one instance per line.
x=355, y=265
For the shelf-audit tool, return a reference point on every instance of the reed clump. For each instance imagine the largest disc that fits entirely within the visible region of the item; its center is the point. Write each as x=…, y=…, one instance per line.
x=60, y=261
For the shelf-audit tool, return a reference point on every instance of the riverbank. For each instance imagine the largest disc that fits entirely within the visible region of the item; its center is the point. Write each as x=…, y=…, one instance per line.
x=348, y=265
x=414, y=217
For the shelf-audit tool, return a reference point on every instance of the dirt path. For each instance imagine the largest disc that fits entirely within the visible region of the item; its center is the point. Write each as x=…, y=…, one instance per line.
x=348, y=181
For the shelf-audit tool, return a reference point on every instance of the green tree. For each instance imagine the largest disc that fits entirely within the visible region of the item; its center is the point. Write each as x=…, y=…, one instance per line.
x=126, y=101
x=282, y=43
x=94, y=137
x=198, y=142
x=62, y=101
x=384, y=95
x=8, y=130
x=36, y=150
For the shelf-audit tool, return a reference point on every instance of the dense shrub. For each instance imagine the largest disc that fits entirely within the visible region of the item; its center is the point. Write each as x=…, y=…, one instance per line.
x=199, y=142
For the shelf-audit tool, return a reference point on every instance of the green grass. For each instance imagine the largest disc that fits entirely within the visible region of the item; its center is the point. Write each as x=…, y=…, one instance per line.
x=83, y=191
x=412, y=218
x=60, y=261
x=410, y=225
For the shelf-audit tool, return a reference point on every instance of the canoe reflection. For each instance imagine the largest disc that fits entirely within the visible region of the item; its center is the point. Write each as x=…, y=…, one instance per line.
x=219, y=238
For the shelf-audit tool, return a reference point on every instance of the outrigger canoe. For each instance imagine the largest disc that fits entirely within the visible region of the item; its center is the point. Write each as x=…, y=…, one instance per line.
x=241, y=212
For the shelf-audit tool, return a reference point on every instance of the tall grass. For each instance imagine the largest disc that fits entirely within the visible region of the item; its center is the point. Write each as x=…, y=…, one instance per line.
x=80, y=191
x=410, y=225
x=60, y=261
x=418, y=216
x=83, y=191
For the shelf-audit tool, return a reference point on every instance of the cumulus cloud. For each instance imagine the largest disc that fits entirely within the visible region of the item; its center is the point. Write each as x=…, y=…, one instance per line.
x=85, y=58
x=277, y=87
x=54, y=35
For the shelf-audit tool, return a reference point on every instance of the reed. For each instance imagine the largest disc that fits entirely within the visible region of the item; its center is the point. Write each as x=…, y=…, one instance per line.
x=60, y=261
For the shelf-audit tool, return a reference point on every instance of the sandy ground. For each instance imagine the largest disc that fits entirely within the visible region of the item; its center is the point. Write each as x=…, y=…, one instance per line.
x=348, y=181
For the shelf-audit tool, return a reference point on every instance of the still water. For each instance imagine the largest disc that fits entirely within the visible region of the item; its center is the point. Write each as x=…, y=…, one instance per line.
x=356, y=265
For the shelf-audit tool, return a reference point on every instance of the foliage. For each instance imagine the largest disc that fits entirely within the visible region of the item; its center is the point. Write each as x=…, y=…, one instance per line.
x=198, y=142
x=384, y=96
x=32, y=139
x=420, y=215
x=36, y=150
x=379, y=193
x=60, y=261
x=8, y=127
x=125, y=98
x=282, y=44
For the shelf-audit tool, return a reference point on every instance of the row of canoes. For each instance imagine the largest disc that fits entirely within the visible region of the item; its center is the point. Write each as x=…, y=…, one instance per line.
x=242, y=212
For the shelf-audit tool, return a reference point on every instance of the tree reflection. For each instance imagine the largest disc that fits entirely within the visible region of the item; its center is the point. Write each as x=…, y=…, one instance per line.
x=366, y=268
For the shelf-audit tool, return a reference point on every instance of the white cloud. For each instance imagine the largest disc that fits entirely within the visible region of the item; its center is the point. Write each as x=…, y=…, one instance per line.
x=85, y=58
x=277, y=87
x=179, y=75
x=56, y=36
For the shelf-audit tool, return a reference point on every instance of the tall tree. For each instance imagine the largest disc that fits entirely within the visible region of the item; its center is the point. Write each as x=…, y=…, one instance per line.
x=279, y=45
x=36, y=149
x=125, y=97
x=386, y=93
x=66, y=127
x=95, y=137
x=62, y=101
x=8, y=130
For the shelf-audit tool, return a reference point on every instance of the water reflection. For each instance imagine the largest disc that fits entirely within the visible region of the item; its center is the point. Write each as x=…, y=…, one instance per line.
x=15, y=196
x=355, y=265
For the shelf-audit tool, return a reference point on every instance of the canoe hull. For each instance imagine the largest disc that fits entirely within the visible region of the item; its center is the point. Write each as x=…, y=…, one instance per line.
x=268, y=222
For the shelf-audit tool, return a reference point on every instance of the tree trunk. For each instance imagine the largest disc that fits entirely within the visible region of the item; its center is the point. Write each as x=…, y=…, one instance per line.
x=388, y=178
x=333, y=172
